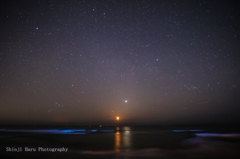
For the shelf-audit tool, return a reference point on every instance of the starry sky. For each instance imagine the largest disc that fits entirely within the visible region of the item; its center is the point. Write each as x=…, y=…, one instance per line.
x=146, y=61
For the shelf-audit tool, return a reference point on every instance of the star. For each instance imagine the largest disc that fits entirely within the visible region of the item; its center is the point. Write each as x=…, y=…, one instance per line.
x=96, y=57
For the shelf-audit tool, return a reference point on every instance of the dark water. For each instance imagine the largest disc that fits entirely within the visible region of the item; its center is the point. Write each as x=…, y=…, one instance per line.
x=121, y=142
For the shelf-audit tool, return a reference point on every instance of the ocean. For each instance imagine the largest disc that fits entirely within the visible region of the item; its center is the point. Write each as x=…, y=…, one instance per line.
x=145, y=142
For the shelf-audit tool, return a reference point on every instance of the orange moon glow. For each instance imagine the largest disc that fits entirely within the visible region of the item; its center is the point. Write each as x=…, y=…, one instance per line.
x=117, y=118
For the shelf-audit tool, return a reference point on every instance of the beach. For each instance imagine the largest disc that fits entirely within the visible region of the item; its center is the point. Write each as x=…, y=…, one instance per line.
x=121, y=142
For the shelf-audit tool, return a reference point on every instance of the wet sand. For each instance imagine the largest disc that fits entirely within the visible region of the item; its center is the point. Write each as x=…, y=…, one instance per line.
x=120, y=142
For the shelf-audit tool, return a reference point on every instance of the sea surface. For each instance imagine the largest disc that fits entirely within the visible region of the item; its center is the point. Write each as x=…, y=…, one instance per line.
x=148, y=142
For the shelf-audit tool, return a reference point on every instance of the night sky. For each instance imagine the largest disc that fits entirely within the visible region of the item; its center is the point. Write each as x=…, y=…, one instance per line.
x=146, y=61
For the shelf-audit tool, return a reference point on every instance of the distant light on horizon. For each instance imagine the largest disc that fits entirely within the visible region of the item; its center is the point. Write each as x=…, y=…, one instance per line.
x=95, y=65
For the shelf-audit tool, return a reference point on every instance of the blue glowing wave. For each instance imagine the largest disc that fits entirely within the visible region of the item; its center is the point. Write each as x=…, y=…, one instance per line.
x=193, y=131
x=58, y=131
x=229, y=135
